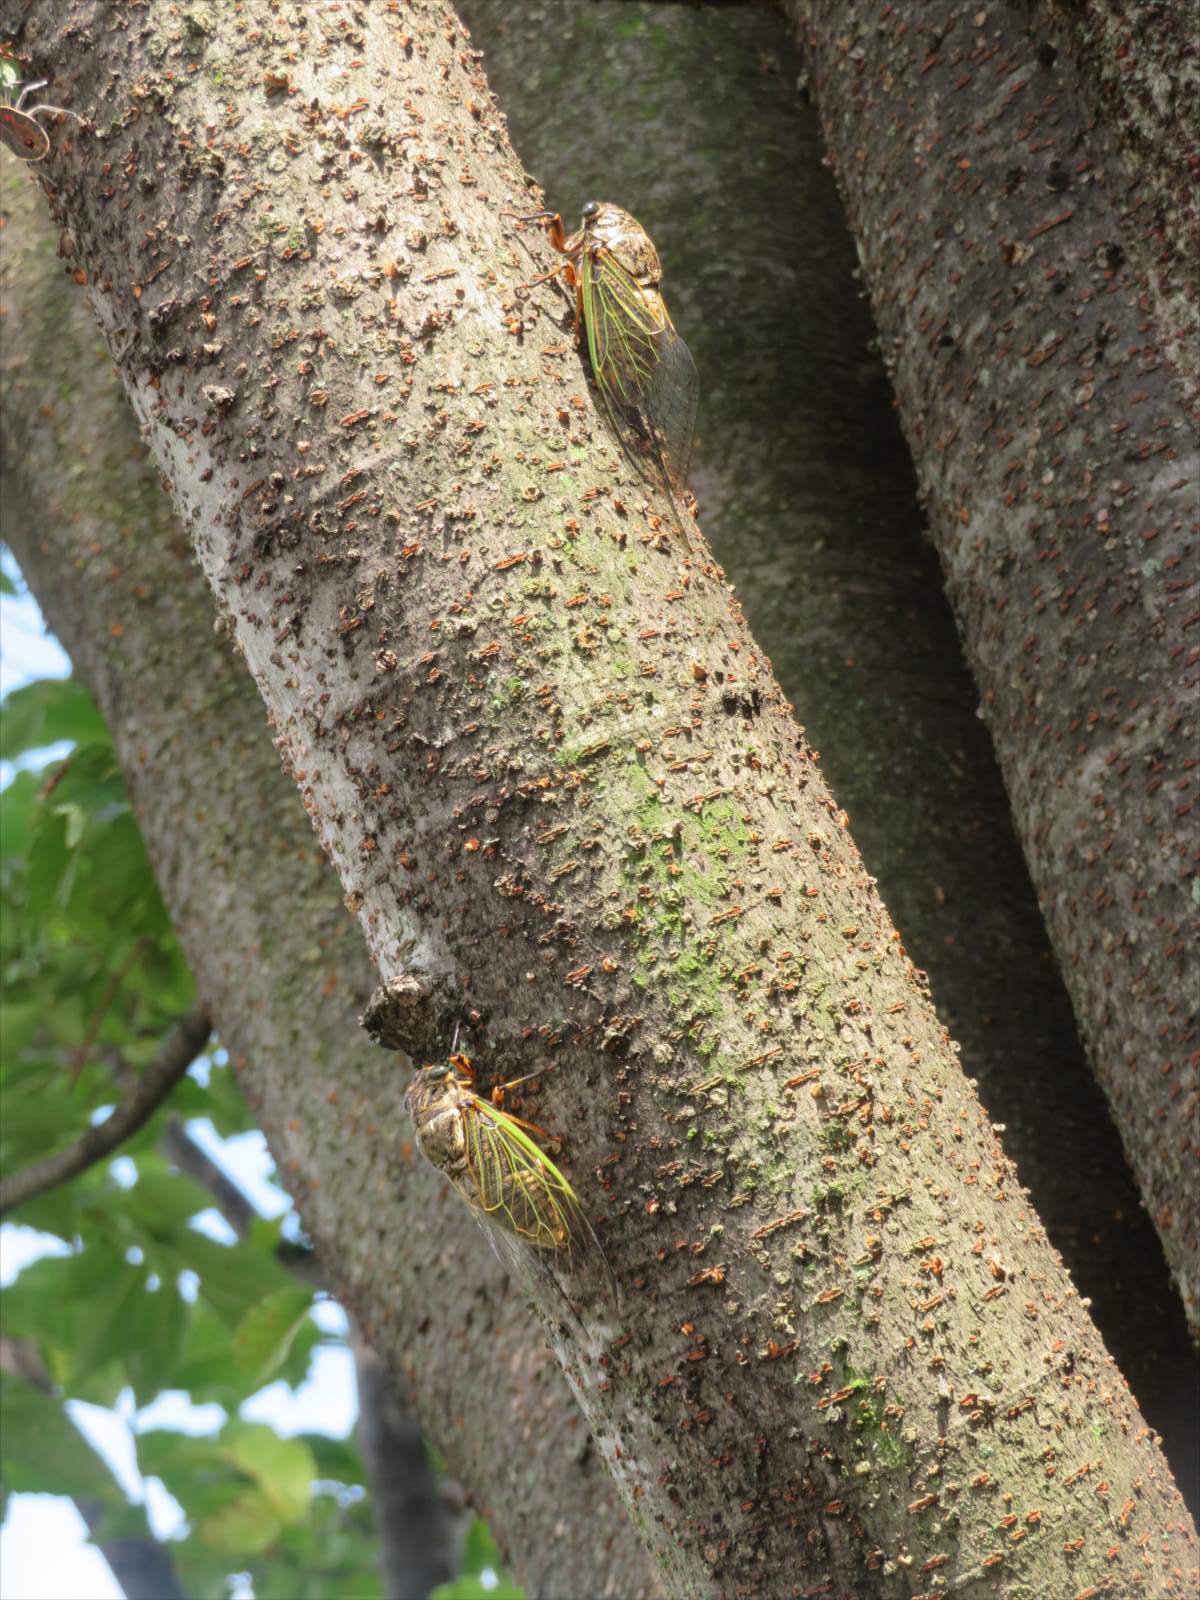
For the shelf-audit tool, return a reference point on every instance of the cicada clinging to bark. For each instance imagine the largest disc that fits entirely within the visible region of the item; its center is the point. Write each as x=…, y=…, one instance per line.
x=492, y=1158
x=642, y=368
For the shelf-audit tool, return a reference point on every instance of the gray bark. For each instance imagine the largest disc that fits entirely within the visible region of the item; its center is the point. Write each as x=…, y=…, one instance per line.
x=505, y=694
x=279, y=963
x=808, y=498
x=1058, y=464
x=1138, y=69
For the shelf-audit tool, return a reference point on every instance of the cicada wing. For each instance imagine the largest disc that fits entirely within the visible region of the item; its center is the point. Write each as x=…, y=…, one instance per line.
x=671, y=404
x=622, y=322
x=514, y=1183
x=520, y=1190
x=643, y=369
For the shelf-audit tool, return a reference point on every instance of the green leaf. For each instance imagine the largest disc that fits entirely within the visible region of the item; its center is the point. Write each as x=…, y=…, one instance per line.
x=298, y=1360
x=174, y=1457
x=29, y=1305
x=157, y=1343
x=337, y=1460
x=284, y=1469
x=265, y=1334
x=55, y=1212
x=18, y=806
x=468, y=1587
x=74, y=820
x=232, y=1277
x=43, y=1452
x=7, y=586
x=111, y=1319
x=245, y=1525
x=161, y=1202
x=479, y=1555
x=47, y=711
x=207, y=1368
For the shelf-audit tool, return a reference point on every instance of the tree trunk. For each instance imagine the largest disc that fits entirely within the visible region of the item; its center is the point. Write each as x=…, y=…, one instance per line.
x=1139, y=71
x=809, y=501
x=1058, y=465
x=568, y=802
x=260, y=916
x=419, y=1533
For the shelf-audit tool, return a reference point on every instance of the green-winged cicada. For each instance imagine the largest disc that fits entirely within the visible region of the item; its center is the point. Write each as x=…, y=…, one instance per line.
x=492, y=1158
x=642, y=368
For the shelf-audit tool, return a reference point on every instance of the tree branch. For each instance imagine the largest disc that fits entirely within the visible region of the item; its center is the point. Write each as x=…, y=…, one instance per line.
x=185, y=1043
x=188, y=1155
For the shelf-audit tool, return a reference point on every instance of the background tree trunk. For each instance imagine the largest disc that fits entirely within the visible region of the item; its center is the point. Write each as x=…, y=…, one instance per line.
x=260, y=916
x=809, y=501
x=642, y=850
x=1058, y=466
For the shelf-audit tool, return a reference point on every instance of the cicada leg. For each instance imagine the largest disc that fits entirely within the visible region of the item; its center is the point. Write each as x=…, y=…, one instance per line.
x=557, y=235
x=31, y=111
x=26, y=90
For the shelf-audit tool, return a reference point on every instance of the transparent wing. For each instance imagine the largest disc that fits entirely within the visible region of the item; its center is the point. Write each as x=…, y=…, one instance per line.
x=516, y=1183
x=643, y=369
x=518, y=1189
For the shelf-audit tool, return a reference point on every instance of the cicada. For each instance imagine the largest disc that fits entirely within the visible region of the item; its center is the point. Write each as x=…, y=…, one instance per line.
x=642, y=368
x=496, y=1164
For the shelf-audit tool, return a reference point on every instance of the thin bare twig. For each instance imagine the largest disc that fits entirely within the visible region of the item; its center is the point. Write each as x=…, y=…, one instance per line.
x=185, y=1042
x=234, y=1205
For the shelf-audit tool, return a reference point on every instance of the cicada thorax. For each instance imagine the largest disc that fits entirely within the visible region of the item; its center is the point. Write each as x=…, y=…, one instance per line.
x=608, y=226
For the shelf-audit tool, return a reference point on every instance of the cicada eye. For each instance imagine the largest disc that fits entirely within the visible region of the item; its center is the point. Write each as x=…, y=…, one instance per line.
x=590, y=209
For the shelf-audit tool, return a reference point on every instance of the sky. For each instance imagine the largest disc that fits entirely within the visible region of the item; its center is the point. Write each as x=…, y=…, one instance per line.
x=44, y=1553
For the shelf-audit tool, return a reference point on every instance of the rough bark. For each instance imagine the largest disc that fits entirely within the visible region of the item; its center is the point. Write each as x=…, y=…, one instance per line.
x=1139, y=69
x=1058, y=466
x=280, y=964
x=567, y=799
x=809, y=501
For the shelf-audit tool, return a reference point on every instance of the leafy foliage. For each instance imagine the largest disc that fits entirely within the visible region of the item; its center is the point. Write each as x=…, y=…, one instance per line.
x=139, y=1299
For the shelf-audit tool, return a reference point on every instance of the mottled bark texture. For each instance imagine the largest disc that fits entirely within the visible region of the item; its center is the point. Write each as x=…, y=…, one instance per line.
x=278, y=960
x=568, y=802
x=1058, y=466
x=809, y=501
x=1139, y=69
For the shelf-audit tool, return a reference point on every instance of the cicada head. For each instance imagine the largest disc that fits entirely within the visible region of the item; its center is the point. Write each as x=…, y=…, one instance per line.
x=606, y=224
